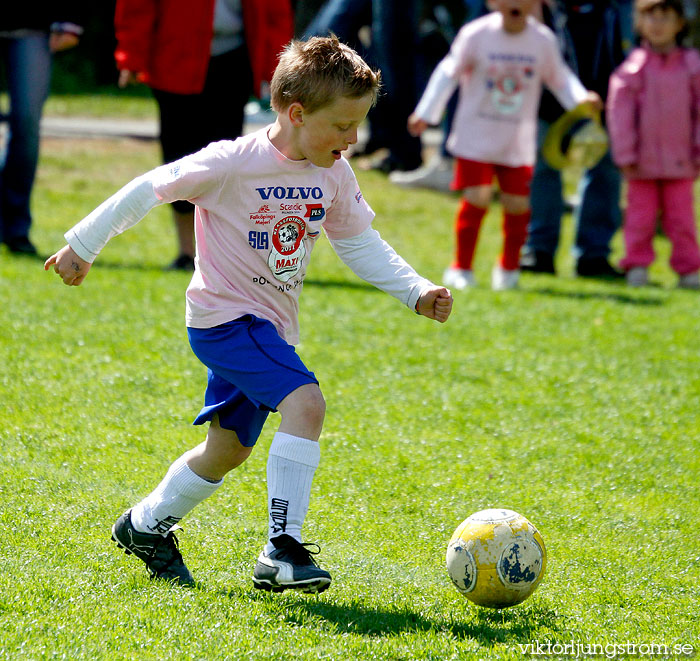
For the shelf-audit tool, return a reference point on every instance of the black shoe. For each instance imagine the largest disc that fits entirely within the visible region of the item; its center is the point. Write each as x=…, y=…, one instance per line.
x=290, y=566
x=597, y=267
x=537, y=262
x=21, y=245
x=161, y=554
x=182, y=263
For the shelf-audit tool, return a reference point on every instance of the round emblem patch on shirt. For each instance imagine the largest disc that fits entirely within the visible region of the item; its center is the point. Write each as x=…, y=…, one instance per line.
x=288, y=249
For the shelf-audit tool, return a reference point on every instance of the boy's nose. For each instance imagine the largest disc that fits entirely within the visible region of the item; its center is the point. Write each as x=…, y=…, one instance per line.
x=351, y=138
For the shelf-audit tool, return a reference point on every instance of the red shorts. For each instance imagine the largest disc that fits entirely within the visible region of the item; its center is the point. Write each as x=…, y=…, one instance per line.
x=513, y=181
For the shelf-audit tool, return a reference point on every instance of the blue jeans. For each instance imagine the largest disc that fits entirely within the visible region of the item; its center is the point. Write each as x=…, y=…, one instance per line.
x=344, y=18
x=597, y=216
x=27, y=62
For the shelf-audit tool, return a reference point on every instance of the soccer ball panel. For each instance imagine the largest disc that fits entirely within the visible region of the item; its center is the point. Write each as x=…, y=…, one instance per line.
x=520, y=563
x=461, y=566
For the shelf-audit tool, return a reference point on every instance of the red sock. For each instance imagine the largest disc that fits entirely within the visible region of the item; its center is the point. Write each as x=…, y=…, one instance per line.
x=467, y=225
x=514, y=236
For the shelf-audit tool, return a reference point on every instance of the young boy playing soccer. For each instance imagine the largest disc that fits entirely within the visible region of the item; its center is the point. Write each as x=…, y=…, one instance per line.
x=261, y=202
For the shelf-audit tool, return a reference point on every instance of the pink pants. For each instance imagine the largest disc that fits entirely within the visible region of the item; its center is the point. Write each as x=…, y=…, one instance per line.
x=674, y=197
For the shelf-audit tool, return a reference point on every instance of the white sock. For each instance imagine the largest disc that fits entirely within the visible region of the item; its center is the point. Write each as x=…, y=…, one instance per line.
x=291, y=465
x=180, y=490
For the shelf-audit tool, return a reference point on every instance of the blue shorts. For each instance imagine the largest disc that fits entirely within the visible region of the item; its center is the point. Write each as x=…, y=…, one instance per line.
x=251, y=370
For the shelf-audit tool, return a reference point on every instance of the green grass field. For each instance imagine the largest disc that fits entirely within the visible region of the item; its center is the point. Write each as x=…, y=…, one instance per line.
x=574, y=402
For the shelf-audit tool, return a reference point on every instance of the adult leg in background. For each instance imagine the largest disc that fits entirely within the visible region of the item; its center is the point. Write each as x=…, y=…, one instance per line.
x=598, y=217
x=28, y=65
x=547, y=209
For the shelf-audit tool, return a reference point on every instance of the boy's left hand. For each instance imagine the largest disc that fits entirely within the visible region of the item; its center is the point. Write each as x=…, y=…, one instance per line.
x=71, y=268
x=435, y=303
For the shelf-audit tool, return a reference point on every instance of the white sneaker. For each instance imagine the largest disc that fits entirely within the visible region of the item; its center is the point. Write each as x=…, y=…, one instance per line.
x=689, y=281
x=458, y=278
x=502, y=279
x=436, y=174
x=637, y=276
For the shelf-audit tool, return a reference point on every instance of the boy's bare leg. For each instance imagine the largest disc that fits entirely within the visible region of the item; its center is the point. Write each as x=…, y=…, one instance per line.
x=303, y=411
x=218, y=454
x=479, y=196
x=515, y=204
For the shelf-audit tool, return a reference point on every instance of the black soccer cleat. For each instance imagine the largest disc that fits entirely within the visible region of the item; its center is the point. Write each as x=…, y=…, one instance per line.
x=161, y=554
x=290, y=567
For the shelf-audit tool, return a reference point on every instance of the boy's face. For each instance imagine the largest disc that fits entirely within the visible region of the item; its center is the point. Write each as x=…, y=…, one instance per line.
x=320, y=136
x=515, y=13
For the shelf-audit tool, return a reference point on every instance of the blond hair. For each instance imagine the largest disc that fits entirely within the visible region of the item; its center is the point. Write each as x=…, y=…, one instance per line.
x=318, y=71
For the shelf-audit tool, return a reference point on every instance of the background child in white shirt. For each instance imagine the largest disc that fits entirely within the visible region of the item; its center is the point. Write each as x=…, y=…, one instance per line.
x=500, y=62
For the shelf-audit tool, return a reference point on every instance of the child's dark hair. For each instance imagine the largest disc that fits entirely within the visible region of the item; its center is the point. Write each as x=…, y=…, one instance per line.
x=644, y=6
x=318, y=71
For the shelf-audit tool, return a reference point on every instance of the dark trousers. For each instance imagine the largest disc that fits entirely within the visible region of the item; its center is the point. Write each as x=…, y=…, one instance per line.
x=189, y=122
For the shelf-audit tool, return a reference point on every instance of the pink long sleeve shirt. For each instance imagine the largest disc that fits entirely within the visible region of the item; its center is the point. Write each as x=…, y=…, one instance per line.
x=654, y=113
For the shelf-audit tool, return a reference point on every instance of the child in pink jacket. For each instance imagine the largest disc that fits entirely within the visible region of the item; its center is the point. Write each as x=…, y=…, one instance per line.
x=654, y=124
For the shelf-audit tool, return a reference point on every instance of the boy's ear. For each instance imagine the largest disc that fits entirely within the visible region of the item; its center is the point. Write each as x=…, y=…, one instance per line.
x=295, y=113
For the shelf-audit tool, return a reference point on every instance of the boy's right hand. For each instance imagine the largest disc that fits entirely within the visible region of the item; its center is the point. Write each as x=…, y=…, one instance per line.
x=68, y=265
x=416, y=125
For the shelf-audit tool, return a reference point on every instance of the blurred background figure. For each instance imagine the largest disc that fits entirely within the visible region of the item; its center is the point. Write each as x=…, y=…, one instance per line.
x=385, y=33
x=29, y=33
x=655, y=134
x=500, y=63
x=202, y=60
x=439, y=23
x=594, y=36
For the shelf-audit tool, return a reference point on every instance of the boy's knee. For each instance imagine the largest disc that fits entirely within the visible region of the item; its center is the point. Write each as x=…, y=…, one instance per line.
x=478, y=196
x=515, y=204
x=313, y=404
x=303, y=411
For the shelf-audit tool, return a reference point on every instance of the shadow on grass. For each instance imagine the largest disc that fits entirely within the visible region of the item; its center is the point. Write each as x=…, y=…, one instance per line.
x=618, y=297
x=485, y=626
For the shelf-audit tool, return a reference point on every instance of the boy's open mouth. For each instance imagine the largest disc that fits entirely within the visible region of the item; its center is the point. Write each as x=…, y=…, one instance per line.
x=515, y=13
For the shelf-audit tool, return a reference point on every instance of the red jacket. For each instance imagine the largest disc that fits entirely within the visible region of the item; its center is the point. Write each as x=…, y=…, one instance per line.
x=168, y=41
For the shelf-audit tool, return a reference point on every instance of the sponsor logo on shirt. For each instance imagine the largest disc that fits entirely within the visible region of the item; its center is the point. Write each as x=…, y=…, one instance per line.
x=259, y=240
x=315, y=213
x=288, y=249
x=263, y=215
x=290, y=192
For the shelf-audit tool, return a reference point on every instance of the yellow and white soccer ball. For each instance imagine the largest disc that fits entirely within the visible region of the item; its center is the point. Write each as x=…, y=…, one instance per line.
x=496, y=558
